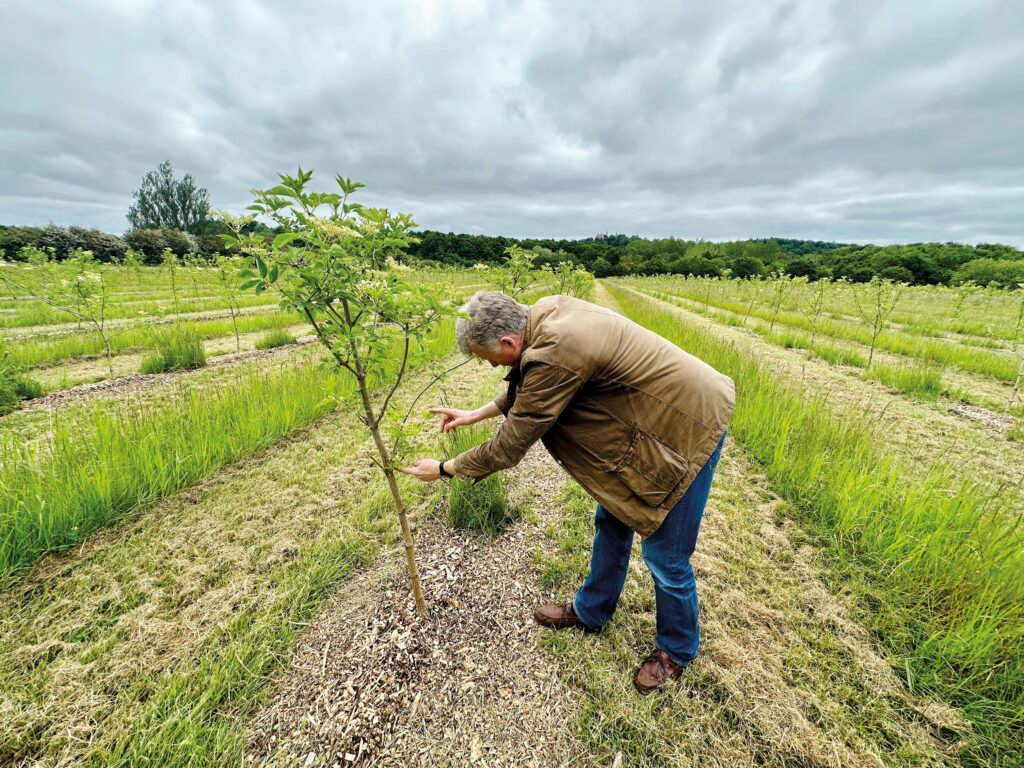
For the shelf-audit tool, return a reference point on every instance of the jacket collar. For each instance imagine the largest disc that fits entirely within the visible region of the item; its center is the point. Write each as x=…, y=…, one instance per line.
x=513, y=370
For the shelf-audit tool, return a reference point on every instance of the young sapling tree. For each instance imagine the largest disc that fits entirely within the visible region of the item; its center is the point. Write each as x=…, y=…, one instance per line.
x=752, y=286
x=331, y=264
x=133, y=262
x=875, y=302
x=194, y=263
x=812, y=308
x=517, y=274
x=1018, y=346
x=171, y=263
x=781, y=285
x=227, y=279
x=82, y=293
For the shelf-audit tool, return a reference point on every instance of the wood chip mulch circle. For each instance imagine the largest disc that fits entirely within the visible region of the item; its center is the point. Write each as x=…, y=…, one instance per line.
x=373, y=684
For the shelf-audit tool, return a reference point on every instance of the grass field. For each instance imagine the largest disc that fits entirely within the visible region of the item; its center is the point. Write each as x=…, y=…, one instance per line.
x=189, y=558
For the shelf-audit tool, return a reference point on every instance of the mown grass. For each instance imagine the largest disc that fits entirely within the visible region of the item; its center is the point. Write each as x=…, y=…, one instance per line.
x=95, y=470
x=944, y=554
x=775, y=683
x=176, y=348
x=195, y=715
x=922, y=382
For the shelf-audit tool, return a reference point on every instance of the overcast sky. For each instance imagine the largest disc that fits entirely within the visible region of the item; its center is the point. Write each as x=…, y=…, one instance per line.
x=855, y=121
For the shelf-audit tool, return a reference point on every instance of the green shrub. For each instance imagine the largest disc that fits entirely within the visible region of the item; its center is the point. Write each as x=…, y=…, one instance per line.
x=278, y=337
x=480, y=506
x=177, y=348
x=915, y=380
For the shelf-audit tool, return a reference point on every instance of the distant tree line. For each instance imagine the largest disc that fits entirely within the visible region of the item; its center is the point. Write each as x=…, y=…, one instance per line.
x=604, y=255
x=110, y=248
x=609, y=255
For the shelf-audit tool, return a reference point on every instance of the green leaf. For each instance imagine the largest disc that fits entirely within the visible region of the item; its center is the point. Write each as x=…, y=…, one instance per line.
x=262, y=265
x=284, y=238
x=250, y=284
x=272, y=277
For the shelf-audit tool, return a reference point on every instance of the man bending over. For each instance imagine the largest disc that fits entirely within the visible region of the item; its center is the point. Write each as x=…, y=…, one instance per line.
x=639, y=424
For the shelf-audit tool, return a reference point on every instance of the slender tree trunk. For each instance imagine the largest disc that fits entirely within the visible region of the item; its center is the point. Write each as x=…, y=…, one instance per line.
x=396, y=494
x=1016, y=384
x=110, y=355
x=234, y=323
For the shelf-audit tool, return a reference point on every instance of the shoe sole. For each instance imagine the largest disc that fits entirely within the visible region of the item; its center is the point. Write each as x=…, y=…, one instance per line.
x=581, y=627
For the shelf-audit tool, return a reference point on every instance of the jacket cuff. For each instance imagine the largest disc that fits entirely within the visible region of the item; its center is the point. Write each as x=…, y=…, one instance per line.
x=469, y=465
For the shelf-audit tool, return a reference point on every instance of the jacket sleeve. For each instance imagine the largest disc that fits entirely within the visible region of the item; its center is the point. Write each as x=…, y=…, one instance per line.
x=545, y=391
x=502, y=400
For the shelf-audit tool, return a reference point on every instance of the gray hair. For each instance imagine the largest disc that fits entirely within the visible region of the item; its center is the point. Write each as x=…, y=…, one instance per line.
x=492, y=315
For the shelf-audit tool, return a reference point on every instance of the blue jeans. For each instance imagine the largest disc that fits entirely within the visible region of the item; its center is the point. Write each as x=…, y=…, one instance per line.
x=667, y=554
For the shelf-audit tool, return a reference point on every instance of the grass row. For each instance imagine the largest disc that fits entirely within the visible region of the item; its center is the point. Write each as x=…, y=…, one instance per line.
x=42, y=314
x=94, y=470
x=982, y=318
x=943, y=556
x=941, y=352
x=32, y=353
x=915, y=378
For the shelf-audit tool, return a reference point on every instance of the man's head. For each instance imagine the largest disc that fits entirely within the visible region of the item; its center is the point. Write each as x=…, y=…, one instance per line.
x=495, y=329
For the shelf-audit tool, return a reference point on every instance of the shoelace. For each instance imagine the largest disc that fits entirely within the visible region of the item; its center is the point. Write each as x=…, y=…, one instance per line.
x=656, y=656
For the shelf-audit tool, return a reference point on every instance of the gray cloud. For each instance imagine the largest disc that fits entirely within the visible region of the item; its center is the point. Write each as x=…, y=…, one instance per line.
x=863, y=121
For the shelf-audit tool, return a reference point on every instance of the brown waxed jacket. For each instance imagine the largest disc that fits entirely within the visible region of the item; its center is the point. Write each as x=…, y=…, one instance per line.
x=628, y=414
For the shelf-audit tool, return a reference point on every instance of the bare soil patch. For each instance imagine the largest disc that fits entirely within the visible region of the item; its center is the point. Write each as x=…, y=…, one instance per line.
x=1000, y=422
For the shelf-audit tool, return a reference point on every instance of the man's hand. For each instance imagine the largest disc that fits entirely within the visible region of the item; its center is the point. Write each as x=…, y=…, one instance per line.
x=453, y=418
x=424, y=470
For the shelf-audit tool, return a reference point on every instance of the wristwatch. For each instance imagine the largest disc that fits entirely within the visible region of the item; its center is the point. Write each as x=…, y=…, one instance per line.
x=443, y=472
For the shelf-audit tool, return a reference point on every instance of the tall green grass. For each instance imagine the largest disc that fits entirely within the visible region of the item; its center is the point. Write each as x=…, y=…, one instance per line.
x=93, y=471
x=278, y=337
x=176, y=348
x=838, y=355
x=920, y=381
x=478, y=505
x=14, y=387
x=940, y=558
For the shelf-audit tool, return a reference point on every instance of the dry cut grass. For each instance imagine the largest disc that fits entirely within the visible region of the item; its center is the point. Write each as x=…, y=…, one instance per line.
x=785, y=676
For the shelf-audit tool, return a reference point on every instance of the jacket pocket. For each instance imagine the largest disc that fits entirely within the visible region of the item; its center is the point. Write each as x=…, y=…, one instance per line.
x=650, y=468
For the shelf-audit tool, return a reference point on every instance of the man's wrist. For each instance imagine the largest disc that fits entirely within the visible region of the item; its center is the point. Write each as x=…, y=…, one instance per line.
x=443, y=471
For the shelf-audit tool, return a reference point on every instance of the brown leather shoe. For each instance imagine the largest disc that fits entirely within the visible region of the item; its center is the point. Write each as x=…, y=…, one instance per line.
x=656, y=670
x=559, y=616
